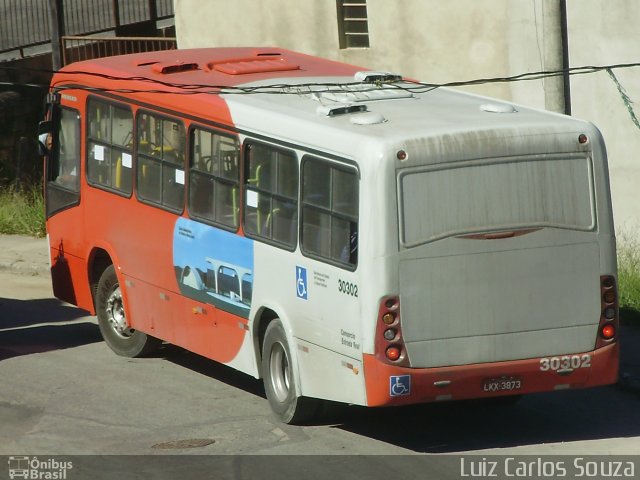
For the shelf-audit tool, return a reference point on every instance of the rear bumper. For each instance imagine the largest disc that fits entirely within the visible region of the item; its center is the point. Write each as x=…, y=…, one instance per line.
x=391, y=385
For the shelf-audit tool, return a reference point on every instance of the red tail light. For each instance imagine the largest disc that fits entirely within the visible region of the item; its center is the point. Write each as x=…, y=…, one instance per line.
x=393, y=353
x=608, y=328
x=389, y=341
x=608, y=332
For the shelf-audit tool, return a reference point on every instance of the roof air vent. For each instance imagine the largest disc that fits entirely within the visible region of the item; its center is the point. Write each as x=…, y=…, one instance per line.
x=174, y=67
x=339, y=109
x=249, y=65
x=498, y=108
x=146, y=64
x=377, y=77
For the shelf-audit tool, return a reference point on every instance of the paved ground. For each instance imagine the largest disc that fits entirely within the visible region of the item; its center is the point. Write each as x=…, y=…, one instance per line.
x=62, y=391
x=27, y=255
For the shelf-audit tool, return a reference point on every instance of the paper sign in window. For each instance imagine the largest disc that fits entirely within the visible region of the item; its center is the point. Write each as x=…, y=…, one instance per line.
x=252, y=199
x=98, y=153
x=180, y=177
x=126, y=160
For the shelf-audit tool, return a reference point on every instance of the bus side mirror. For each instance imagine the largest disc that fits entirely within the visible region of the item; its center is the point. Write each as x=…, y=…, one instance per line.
x=45, y=132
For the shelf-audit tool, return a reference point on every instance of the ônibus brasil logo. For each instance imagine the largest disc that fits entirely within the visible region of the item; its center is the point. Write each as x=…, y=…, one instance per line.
x=38, y=469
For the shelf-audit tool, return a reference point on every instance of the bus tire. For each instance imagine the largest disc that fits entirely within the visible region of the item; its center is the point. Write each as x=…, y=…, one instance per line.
x=112, y=322
x=279, y=381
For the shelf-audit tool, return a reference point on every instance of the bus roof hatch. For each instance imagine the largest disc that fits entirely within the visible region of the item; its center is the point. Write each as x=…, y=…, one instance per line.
x=245, y=66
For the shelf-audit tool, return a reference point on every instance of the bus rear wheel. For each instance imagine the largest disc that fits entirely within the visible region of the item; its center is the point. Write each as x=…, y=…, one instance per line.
x=112, y=322
x=279, y=382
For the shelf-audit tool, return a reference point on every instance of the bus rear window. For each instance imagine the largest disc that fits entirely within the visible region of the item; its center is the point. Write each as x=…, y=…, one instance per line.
x=442, y=201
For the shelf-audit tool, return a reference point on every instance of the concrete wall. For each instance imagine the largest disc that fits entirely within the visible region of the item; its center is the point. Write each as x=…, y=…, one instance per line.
x=603, y=33
x=415, y=37
x=440, y=42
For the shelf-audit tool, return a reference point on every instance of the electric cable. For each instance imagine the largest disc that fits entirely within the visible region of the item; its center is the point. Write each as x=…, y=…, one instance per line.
x=312, y=87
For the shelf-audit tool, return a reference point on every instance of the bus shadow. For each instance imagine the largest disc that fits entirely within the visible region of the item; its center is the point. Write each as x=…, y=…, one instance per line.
x=455, y=427
x=16, y=313
x=42, y=325
x=569, y=416
x=476, y=425
x=212, y=369
x=40, y=339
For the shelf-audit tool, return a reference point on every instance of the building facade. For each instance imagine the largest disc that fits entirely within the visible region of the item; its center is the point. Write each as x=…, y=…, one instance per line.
x=441, y=42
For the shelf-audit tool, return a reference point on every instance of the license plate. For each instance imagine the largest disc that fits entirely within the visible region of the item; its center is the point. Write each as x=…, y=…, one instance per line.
x=502, y=384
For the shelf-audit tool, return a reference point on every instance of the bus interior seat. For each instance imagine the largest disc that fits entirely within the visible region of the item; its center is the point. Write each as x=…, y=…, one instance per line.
x=201, y=196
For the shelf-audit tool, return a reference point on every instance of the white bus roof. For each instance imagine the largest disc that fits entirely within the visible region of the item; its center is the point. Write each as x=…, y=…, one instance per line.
x=393, y=116
x=300, y=99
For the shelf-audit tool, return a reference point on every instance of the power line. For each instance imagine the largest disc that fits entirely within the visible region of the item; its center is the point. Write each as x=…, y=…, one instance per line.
x=174, y=88
x=295, y=89
x=625, y=98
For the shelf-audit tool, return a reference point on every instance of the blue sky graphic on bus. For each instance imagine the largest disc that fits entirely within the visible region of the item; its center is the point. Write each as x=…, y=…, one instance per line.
x=213, y=266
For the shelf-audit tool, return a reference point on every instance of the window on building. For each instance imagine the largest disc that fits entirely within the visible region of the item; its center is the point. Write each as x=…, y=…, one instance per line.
x=161, y=149
x=330, y=211
x=353, y=25
x=214, y=193
x=110, y=146
x=271, y=202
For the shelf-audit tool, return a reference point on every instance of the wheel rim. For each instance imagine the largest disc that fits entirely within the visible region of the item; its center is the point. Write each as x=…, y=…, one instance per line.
x=115, y=314
x=280, y=372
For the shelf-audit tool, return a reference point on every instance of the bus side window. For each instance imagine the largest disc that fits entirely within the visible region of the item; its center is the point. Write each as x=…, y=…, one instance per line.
x=271, y=202
x=68, y=151
x=110, y=146
x=214, y=193
x=62, y=188
x=161, y=154
x=329, y=211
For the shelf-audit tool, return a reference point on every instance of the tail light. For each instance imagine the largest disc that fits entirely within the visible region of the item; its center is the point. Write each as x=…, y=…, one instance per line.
x=389, y=341
x=608, y=332
x=608, y=328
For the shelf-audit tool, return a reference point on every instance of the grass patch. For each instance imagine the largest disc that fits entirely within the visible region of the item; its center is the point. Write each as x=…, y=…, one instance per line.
x=629, y=277
x=22, y=211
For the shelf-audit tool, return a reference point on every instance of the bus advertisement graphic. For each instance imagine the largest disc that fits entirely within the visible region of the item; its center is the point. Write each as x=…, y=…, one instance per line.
x=213, y=266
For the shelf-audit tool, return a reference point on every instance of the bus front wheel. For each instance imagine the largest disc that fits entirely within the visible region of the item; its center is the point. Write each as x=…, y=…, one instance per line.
x=279, y=382
x=114, y=328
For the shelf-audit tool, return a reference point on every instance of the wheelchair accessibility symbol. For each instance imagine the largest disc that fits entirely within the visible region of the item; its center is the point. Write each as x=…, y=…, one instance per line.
x=301, y=282
x=399, y=385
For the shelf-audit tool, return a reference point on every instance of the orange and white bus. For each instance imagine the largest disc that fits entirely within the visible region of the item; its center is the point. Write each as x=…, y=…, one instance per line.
x=345, y=235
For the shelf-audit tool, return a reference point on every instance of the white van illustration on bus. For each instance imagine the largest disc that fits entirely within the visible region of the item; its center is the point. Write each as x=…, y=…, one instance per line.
x=217, y=281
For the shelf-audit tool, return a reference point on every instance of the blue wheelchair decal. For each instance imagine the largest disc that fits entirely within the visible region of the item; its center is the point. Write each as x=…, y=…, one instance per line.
x=399, y=385
x=301, y=282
